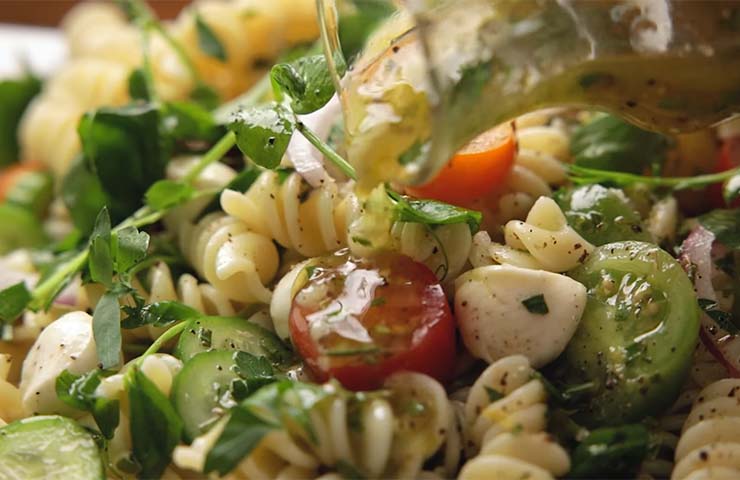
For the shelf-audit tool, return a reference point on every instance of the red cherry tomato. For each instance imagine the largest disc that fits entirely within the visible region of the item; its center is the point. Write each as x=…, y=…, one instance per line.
x=360, y=320
x=729, y=157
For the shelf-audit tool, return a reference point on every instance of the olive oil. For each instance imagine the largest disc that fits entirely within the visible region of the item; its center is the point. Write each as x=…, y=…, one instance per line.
x=433, y=77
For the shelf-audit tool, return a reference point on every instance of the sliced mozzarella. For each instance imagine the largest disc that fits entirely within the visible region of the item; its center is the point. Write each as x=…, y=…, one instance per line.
x=66, y=344
x=495, y=322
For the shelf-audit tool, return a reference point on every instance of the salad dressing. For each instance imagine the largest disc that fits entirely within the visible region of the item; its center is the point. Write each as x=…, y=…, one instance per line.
x=434, y=76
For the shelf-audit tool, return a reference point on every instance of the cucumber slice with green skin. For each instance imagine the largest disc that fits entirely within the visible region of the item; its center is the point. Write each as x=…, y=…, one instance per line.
x=48, y=448
x=19, y=228
x=201, y=390
x=637, y=334
x=33, y=191
x=601, y=215
x=231, y=333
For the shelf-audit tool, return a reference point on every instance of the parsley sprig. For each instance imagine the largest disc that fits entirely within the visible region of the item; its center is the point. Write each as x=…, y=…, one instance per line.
x=582, y=175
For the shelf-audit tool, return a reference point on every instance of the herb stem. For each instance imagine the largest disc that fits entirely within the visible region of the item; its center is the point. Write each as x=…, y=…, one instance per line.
x=168, y=335
x=46, y=288
x=213, y=155
x=328, y=152
x=592, y=175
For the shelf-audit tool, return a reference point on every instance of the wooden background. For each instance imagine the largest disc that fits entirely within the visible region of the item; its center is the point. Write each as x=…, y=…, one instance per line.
x=49, y=12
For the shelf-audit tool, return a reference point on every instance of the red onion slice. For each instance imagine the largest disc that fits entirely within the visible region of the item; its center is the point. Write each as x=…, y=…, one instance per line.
x=696, y=257
x=307, y=160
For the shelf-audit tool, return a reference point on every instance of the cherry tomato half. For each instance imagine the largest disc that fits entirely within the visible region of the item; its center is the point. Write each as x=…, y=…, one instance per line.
x=360, y=320
x=475, y=170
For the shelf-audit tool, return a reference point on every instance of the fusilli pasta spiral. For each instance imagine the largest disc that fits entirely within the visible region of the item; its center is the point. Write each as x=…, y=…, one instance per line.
x=236, y=261
x=389, y=438
x=710, y=443
x=11, y=405
x=505, y=416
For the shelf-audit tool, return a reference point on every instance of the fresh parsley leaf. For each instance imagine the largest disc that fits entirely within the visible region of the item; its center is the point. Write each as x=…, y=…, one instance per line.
x=208, y=41
x=493, y=395
x=188, y=121
x=137, y=85
x=263, y=133
x=13, y=301
x=125, y=149
x=19, y=228
x=241, y=434
x=15, y=95
x=205, y=96
x=306, y=81
x=158, y=314
x=433, y=212
x=132, y=246
x=256, y=371
x=564, y=394
x=78, y=391
x=101, y=257
x=536, y=304
x=155, y=426
x=610, y=143
x=107, y=330
x=611, y=452
x=83, y=195
x=725, y=225
x=725, y=320
x=165, y=194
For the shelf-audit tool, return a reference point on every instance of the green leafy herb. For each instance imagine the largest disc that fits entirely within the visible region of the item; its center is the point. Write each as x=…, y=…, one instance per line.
x=611, y=452
x=101, y=257
x=564, y=394
x=188, y=121
x=205, y=337
x=78, y=391
x=125, y=150
x=433, y=212
x=413, y=153
x=83, y=195
x=610, y=143
x=158, y=314
x=493, y=395
x=155, y=426
x=725, y=225
x=107, y=330
x=263, y=133
x=241, y=434
x=725, y=320
x=205, y=96
x=131, y=248
x=19, y=228
x=580, y=175
x=536, y=304
x=13, y=301
x=15, y=95
x=256, y=371
x=137, y=85
x=166, y=194
x=208, y=41
x=362, y=241
x=306, y=81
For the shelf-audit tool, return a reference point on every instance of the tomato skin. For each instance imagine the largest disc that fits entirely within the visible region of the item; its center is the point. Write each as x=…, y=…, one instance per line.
x=432, y=348
x=475, y=171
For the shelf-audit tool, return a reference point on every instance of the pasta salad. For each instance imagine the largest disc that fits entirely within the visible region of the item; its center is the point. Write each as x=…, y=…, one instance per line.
x=192, y=286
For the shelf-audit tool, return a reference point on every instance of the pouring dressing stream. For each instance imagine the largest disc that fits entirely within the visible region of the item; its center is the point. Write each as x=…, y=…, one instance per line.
x=439, y=72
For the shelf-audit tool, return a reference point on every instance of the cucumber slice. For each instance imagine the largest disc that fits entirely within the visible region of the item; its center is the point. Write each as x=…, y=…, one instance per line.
x=231, y=333
x=50, y=448
x=32, y=191
x=637, y=334
x=201, y=390
x=19, y=228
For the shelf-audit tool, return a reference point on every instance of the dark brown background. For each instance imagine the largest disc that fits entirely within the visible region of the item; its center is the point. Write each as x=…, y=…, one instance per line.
x=49, y=12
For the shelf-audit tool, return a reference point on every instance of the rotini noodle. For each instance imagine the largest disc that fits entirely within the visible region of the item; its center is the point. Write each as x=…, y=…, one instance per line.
x=509, y=432
x=710, y=442
x=11, y=406
x=236, y=261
